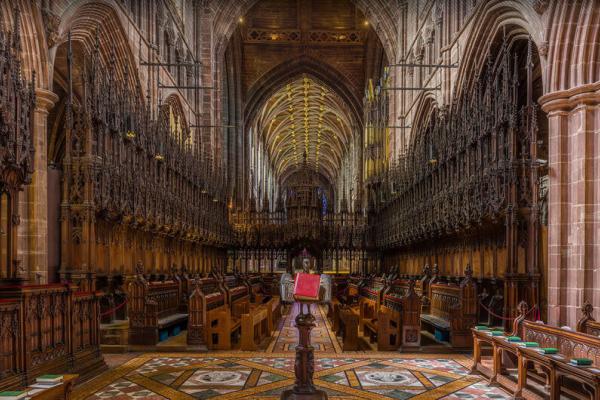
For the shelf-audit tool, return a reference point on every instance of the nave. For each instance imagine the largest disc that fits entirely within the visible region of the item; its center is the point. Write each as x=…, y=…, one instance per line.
x=176, y=176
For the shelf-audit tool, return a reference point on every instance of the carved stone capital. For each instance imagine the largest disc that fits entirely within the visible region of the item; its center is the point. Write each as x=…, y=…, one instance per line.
x=45, y=99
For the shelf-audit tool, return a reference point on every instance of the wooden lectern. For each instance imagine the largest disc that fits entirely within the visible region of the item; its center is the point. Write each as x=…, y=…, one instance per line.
x=304, y=367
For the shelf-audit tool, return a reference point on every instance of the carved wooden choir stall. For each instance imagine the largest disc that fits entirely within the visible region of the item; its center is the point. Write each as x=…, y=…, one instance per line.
x=538, y=363
x=43, y=328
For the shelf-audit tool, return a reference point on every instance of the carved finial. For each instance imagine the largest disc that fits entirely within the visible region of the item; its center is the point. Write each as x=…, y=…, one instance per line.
x=17, y=29
x=587, y=309
x=469, y=271
x=436, y=270
x=139, y=268
x=427, y=270
x=522, y=308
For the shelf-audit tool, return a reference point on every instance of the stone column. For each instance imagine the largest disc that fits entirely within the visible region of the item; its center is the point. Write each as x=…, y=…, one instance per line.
x=574, y=201
x=33, y=230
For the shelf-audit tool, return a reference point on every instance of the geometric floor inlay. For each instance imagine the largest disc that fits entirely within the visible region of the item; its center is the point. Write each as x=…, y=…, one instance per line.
x=247, y=375
x=266, y=374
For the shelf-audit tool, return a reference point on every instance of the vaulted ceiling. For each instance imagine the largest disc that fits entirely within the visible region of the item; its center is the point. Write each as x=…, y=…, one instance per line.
x=306, y=117
x=300, y=68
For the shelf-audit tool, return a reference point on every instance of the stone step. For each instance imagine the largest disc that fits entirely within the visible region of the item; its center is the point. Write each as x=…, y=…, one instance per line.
x=114, y=348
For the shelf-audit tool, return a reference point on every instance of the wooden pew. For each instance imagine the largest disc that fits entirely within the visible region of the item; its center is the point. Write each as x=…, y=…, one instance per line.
x=333, y=313
x=211, y=320
x=371, y=296
x=237, y=293
x=355, y=282
x=402, y=325
x=482, y=338
x=453, y=311
x=398, y=319
x=273, y=305
x=255, y=327
x=558, y=378
x=154, y=310
x=347, y=328
x=255, y=287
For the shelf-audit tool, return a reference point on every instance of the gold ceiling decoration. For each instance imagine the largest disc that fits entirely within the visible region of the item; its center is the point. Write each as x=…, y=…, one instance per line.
x=305, y=116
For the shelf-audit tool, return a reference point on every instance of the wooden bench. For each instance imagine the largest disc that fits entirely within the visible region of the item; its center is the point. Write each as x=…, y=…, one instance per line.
x=400, y=325
x=211, y=319
x=237, y=293
x=353, y=290
x=256, y=287
x=554, y=375
x=398, y=318
x=369, y=302
x=255, y=327
x=154, y=311
x=347, y=328
x=273, y=305
x=452, y=311
x=333, y=313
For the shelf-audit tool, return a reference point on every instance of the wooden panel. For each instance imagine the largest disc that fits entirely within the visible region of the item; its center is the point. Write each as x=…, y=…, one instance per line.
x=274, y=14
x=332, y=14
x=47, y=329
x=10, y=345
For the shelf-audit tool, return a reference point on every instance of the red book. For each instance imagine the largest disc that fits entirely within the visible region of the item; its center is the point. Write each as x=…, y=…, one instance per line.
x=306, y=287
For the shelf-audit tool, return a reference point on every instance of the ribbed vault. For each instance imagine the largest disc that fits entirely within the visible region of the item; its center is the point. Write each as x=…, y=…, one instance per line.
x=305, y=117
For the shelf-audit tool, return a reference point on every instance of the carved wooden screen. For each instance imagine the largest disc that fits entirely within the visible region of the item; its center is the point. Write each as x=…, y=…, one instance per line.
x=17, y=101
x=137, y=186
x=468, y=188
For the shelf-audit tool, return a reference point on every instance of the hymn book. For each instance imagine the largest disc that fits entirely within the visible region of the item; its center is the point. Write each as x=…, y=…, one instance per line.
x=306, y=287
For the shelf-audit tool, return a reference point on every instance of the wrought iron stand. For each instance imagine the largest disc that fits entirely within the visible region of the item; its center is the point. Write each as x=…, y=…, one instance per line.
x=305, y=362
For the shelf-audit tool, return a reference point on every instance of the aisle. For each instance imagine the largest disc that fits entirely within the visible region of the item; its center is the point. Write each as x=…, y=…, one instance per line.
x=322, y=337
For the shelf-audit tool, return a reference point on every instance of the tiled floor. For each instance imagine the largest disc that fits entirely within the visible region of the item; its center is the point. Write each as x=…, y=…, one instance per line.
x=265, y=374
x=232, y=375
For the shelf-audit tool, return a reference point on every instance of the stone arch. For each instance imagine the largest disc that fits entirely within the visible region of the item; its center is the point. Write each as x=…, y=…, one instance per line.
x=425, y=110
x=489, y=21
x=573, y=52
x=33, y=39
x=91, y=23
x=84, y=18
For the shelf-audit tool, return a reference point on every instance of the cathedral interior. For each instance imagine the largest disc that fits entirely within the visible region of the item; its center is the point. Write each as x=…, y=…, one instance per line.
x=171, y=171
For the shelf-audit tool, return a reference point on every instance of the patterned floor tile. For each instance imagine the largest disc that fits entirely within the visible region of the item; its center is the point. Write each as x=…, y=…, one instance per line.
x=266, y=374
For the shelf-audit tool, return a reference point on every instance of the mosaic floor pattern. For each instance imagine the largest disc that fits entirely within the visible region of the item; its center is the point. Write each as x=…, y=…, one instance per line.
x=321, y=336
x=233, y=375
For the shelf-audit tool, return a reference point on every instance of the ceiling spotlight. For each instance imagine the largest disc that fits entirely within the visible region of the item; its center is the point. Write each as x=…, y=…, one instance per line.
x=241, y=20
x=366, y=23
